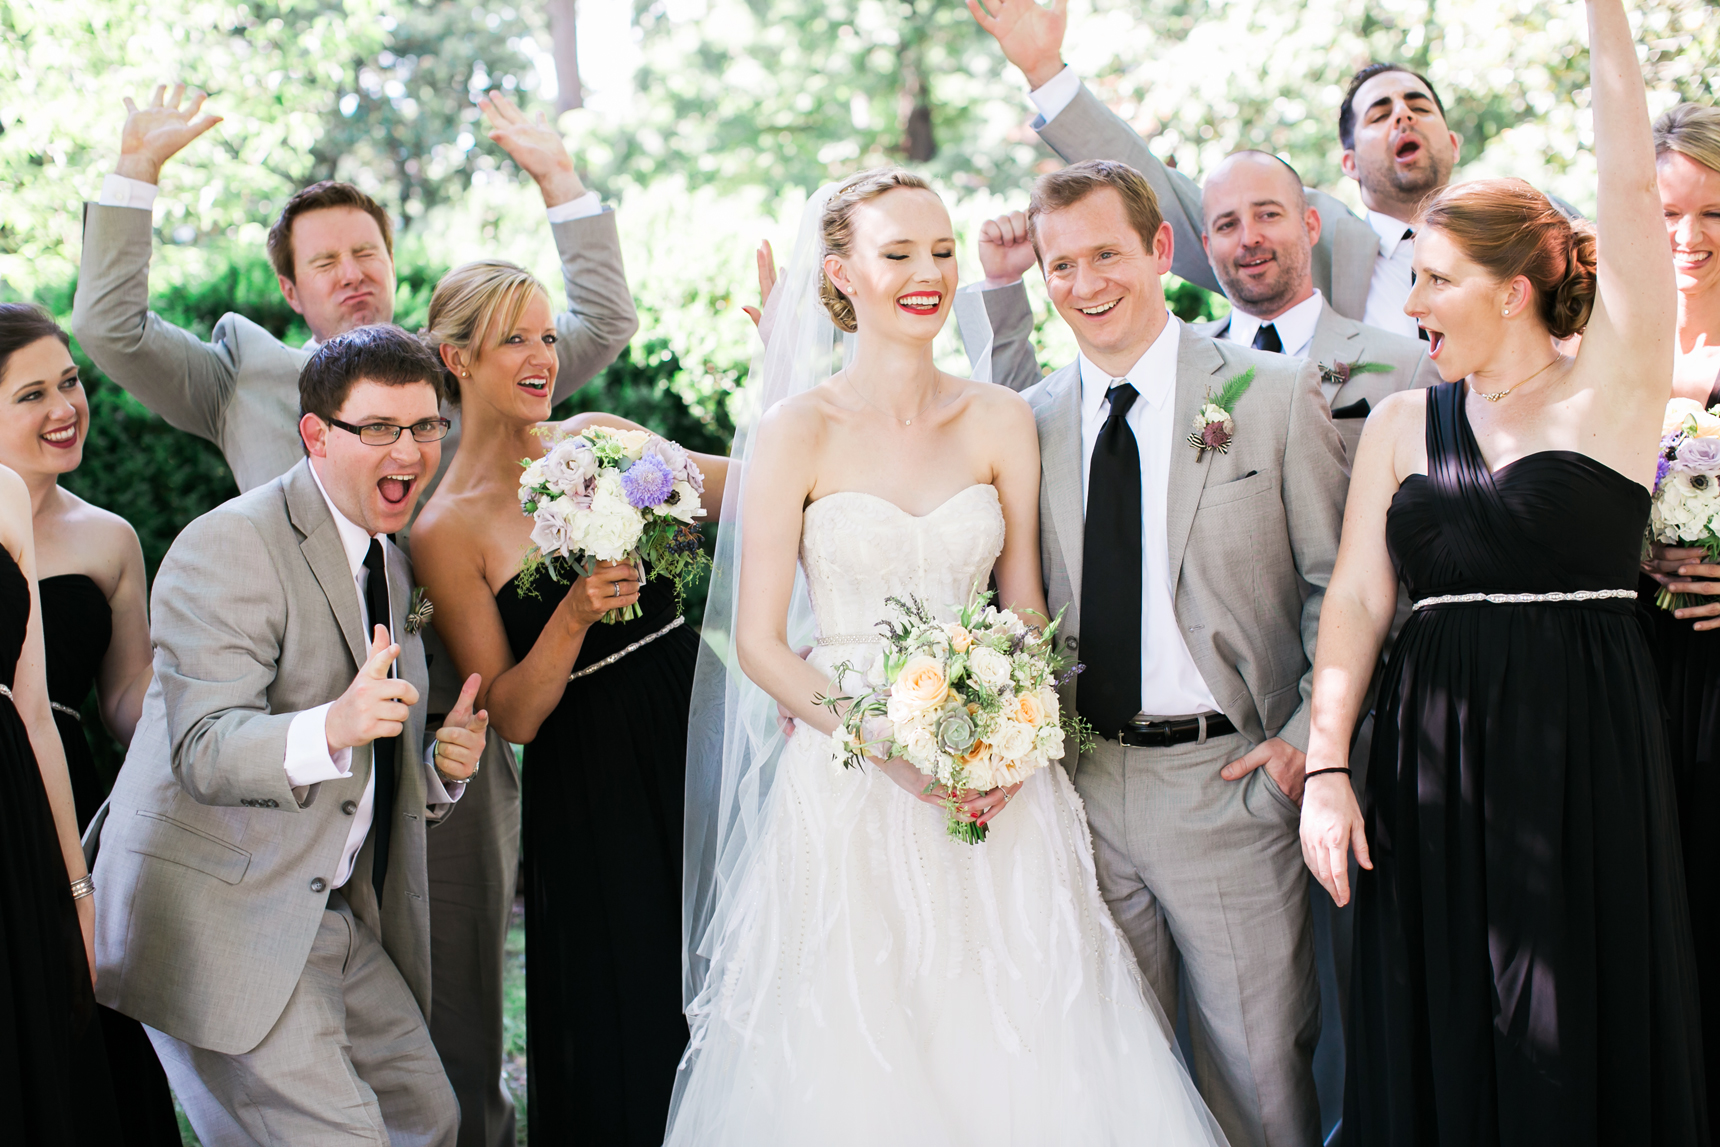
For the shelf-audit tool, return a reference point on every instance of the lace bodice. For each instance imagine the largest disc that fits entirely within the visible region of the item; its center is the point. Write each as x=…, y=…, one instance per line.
x=859, y=549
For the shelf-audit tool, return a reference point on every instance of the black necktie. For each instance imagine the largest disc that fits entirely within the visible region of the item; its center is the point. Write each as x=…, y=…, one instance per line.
x=1266, y=338
x=1108, y=692
x=1409, y=233
x=382, y=754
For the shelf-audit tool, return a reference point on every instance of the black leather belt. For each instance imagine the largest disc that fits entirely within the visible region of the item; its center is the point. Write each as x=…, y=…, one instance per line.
x=1163, y=734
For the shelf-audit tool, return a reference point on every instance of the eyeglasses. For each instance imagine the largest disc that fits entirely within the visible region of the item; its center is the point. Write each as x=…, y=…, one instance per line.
x=387, y=433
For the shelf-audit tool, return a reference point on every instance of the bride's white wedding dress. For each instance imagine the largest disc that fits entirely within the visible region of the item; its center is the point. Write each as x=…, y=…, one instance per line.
x=881, y=983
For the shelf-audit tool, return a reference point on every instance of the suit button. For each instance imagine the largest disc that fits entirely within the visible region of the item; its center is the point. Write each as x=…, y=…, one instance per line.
x=1070, y=643
x=349, y=807
x=318, y=884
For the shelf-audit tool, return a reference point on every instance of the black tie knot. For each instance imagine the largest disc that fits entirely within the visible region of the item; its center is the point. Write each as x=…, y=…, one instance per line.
x=1408, y=233
x=1121, y=396
x=373, y=559
x=1266, y=338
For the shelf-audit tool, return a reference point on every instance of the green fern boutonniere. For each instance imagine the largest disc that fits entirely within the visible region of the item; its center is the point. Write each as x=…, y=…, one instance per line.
x=1215, y=424
x=1341, y=372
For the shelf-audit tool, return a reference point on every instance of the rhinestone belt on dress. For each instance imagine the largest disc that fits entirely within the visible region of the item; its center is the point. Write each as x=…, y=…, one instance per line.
x=620, y=653
x=1524, y=598
x=850, y=639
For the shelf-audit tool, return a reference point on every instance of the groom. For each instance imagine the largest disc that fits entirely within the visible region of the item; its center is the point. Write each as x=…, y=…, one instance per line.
x=1193, y=577
x=262, y=890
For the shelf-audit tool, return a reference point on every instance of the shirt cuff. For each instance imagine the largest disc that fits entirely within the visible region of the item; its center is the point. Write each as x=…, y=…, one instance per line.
x=435, y=792
x=308, y=760
x=122, y=191
x=585, y=206
x=1055, y=94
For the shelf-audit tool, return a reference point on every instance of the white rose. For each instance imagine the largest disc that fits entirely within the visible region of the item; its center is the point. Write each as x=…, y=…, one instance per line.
x=549, y=531
x=534, y=474
x=1048, y=702
x=988, y=666
x=633, y=441
x=1012, y=739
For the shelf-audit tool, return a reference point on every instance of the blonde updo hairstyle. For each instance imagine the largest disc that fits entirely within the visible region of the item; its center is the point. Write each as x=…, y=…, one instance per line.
x=1693, y=131
x=472, y=306
x=837, y=230
x=1512, y=229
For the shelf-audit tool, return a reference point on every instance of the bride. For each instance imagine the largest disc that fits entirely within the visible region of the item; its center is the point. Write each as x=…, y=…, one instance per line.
x=853, y=974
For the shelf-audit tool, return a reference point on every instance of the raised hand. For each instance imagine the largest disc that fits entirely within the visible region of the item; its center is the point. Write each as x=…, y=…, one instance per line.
x=460, y=740
x=1030, y=33
x=766, y=284
x=154, y=134
x=375, y=704
x=1005, y=252
x=535, y=145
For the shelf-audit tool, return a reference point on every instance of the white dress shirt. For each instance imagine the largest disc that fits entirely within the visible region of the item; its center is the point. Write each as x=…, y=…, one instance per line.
x=1171, y=684
x=1392, y=277
x=122, y=191
x=308, y=760
x=1295, y=326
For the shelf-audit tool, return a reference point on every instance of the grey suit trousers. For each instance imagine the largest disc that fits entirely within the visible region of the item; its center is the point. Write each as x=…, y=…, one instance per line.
x=1207, y=873
x=349, y=1062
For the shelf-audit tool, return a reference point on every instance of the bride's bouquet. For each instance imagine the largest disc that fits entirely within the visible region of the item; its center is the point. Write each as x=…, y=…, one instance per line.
x=1685, y=510
x=613, y=495
x=970, y=703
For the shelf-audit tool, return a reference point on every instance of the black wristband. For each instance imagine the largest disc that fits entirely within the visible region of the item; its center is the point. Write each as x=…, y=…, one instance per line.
x=1321, y=772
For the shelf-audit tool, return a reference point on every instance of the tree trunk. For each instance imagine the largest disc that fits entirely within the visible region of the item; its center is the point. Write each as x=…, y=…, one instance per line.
x=915, y=104
x=564, y=42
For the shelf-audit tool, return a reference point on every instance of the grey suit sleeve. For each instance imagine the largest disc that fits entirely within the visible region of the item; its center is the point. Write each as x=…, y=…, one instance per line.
x=600, y=319
x=1004, y=317
x=173, y=372
x=1426, y=373
x=218, y=614
x=1087, y=129
x=1316, y=480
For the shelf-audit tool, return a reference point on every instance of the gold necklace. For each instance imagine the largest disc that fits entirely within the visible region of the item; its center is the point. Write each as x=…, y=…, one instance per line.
x=1498, y=394
x=904, y=421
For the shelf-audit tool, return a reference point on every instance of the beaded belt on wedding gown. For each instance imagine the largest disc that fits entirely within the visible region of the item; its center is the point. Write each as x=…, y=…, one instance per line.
x=850, y=639
x=1524, y=598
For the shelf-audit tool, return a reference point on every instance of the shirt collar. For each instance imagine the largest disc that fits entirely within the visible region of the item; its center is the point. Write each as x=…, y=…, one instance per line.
x=1154, y=375
x=353, y=538
x=1295, y=326
x=1389, y=229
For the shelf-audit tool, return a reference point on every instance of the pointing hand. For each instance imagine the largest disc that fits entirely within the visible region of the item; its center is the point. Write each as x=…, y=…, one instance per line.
x=460, y=740
x=374, y=705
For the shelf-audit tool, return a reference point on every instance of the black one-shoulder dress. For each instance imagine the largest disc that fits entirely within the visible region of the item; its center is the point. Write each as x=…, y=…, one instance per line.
x=77, y=628
x=1523, y=967
x=1689, y=667
x=54, y=1081
x=604, y=793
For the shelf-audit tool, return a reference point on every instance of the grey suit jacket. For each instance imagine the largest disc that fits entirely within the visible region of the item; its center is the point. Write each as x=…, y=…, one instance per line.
x=1253, y=533
x=240, y=390
x=1343, y=258
x=1341, y=340
x=214, y=871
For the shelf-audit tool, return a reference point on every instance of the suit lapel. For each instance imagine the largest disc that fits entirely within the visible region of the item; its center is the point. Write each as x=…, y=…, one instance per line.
x=1336, y=339
x=1060, y=454
x=1354, y=249
x=320, y=543
x=1199, y=364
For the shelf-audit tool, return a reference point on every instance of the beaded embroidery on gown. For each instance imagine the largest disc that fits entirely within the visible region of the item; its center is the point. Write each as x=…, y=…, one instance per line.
x=882, y=983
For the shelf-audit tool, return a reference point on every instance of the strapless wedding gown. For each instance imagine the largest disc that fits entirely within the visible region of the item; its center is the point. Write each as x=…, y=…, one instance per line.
x=884, y=984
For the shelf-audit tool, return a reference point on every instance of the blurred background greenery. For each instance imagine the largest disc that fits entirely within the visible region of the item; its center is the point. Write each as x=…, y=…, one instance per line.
x=705, y=123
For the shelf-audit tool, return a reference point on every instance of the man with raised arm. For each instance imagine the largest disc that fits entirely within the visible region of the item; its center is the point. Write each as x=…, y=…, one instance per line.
x=332, y=250
x=1397, y=147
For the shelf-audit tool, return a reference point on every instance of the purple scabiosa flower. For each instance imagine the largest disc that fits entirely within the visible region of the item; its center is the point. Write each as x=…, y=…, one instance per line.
x=647, y=482
x=1663, y=464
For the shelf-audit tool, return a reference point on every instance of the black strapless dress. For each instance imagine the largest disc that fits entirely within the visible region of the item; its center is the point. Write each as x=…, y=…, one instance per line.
x=604, y=793
x=77, y=627
x=1689, y=667
x=1523, y=968
x=54, y=1082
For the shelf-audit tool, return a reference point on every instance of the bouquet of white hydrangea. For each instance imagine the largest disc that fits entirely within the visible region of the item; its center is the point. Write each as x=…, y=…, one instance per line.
x=1685, y=510
x=971, y=703
x=613, y=495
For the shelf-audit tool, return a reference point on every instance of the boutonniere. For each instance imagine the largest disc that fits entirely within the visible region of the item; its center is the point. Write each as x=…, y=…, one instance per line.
x=1341, y=372
x=418, y=611
x=1214, y=425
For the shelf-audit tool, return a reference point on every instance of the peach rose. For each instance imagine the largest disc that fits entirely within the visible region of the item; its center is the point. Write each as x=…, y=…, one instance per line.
x=922, y=684
x=960, y=638
x=1028, y=710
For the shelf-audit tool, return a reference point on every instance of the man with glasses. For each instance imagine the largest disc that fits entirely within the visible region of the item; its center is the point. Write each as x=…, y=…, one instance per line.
x=333, y=254
x=263, y=893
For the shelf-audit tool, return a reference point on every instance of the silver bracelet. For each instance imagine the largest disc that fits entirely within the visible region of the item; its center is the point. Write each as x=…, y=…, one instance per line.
x=83, y=886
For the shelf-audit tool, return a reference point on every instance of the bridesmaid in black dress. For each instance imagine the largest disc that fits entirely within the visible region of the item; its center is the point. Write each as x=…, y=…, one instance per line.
x=1687, y=646
x=1523, y=971
x=95, y=628
x=602, y=711
x=54, y=1081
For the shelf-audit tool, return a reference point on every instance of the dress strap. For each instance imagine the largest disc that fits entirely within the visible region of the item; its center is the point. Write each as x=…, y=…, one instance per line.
x=1479, y=528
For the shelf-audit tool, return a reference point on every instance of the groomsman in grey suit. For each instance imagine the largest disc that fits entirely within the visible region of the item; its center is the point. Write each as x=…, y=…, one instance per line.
x=1192, y=569
x=1391, y=124
x=262, y=891
x=332, y=249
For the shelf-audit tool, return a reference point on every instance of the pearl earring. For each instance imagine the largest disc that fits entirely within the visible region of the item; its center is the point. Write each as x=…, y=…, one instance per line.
x=1506, y=314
